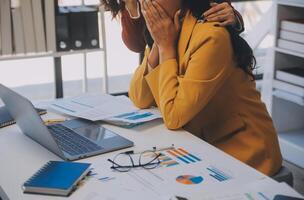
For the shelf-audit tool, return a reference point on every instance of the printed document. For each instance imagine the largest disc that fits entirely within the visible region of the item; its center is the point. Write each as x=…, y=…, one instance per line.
x=104, y=107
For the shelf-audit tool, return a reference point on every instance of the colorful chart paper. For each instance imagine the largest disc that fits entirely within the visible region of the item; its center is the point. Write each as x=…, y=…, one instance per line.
x=189, y=179
x=134, y=115
x=184, y=156
x=166, y=161
x=218, y=174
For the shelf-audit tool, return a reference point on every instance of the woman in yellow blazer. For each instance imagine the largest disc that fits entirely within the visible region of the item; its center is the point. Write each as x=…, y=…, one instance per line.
x=196, y=75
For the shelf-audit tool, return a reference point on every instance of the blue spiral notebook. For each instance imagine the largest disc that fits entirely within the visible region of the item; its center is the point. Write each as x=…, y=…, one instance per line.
x=57, y=178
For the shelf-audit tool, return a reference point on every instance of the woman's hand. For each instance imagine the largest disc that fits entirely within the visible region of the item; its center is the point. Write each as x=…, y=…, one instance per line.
x=131, y=5
x=222, y=13
x=163, y=29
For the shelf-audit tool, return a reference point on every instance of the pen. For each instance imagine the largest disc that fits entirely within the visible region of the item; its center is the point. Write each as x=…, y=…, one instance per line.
x=154, y=149
x=164, y=148
x=52, y=121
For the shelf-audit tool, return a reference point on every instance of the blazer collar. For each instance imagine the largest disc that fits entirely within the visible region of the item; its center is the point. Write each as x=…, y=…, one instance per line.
x=186, y=32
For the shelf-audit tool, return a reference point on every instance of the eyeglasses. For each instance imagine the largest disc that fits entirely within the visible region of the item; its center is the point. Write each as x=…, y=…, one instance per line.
x=124, y=162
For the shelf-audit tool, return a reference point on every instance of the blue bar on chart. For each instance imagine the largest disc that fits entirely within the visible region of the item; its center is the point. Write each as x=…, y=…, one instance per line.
x=184, y=156
x=218, y=174
x=139, y=116
x=126, y=115
x=186, y=153
x=134, y=115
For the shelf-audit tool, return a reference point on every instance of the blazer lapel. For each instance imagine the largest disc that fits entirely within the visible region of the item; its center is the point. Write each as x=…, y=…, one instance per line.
x=186, y=32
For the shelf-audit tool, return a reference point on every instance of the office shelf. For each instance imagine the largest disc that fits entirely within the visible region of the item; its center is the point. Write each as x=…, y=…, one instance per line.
x=47, y=54
x=289, y=52
x=292, y=146
x=57, y=59
x=288, y=87
x=289, y=96
x=294, y=3
x=283, y=99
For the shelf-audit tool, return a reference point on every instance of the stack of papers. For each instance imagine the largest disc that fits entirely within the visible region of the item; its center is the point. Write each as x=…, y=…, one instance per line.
x=116, y=110
x=185, y=173
x=182, y=172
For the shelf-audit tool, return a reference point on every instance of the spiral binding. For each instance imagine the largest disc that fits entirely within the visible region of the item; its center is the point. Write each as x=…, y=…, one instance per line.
x=7, y=124
x=39, y=172
x=42, y=112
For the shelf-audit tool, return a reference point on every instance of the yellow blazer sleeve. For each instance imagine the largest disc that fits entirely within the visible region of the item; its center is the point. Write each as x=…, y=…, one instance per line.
x=139, y=91
x=181, y=98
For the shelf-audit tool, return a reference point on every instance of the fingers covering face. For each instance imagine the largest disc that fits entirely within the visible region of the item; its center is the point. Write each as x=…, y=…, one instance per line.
x=153, y=12
x=160, y=10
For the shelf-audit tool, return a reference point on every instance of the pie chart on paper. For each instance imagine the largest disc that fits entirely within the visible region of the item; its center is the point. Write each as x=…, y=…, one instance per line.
x=189, y=180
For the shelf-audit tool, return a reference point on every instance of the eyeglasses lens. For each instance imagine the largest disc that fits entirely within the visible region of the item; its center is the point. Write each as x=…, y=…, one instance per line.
x=149, y=160
x=123, y=162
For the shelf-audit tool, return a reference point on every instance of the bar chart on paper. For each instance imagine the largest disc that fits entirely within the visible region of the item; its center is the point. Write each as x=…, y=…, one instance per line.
x=218, y=174
x=166, y=161
x=184, y=156
x=135, y=115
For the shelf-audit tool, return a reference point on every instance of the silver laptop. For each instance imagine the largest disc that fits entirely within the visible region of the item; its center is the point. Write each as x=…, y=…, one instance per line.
x=71, y=140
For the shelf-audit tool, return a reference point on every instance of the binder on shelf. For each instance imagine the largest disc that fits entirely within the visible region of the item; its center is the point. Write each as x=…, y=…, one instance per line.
x=62, y=32
x=293, y=75
x=92, y=30
x=49, y=9
x=6, y=27
x=39, y=25
x=83, y=27
x=296, y=25
x=77, y=30
x=292, y=36
x=18, y=30
x=28, y=24
x=293, y=46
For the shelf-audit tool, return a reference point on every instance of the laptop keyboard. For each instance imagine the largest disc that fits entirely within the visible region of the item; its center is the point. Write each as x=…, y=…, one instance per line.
x=71, y=142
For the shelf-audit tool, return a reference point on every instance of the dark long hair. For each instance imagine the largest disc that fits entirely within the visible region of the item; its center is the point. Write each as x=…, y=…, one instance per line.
x=114, y=6
x=242, y=51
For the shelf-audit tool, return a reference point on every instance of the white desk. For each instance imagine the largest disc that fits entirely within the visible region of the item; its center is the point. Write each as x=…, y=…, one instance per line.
x=20, y=157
